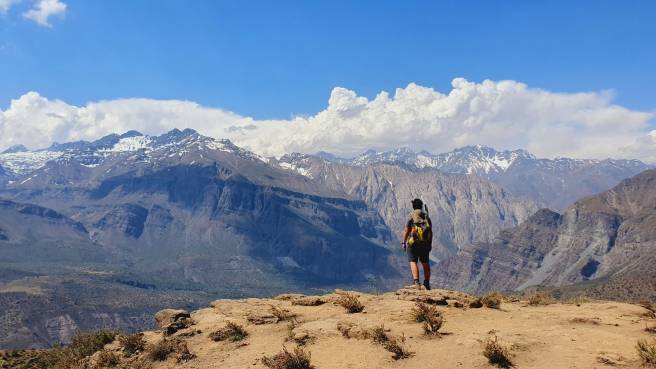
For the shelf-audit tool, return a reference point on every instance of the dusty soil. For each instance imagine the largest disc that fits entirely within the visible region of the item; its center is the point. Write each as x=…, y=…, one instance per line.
x=595, y=334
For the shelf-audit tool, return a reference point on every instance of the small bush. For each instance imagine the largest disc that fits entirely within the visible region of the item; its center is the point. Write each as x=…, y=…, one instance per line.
x=299, y=359
x=397, y=348
x=476, y=304
x=351, y=303
x=647, y=351
x=540, y=298
x=392, y=344
x=378, y=335
x=431, y=318
x=281, y=315
x=132, y=343
x=651, y=309
x=160, y=350
x=497, y=354
x=492, y=300
x=108, y=359
x=86, y=344
x=232, y=332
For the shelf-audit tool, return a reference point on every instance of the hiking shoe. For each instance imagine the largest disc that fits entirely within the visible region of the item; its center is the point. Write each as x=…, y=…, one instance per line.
x=427, y=285
x=417, y=285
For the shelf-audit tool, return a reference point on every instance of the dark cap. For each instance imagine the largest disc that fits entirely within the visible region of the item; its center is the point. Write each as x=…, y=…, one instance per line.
x=417, y=204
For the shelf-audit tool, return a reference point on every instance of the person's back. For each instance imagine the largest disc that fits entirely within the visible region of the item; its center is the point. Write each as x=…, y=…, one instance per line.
x=417, y=242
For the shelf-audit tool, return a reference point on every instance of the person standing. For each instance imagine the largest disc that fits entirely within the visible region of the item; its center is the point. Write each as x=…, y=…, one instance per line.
x=417, y=242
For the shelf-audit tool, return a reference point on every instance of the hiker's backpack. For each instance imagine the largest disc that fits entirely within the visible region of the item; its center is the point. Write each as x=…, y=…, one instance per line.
x=421, y=234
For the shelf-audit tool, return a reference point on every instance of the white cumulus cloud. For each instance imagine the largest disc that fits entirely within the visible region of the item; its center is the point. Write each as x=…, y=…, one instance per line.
x=43, y=10
x=501, y=114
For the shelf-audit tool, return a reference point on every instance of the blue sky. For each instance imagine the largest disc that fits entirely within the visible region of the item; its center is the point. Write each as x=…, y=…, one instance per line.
x=275, y=59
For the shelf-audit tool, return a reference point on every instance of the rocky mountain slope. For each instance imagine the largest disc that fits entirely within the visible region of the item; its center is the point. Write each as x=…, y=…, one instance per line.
x=464, y=209
x=179, y=219
x=177, y=212
x=555, y=183
x=609, y=236
x=319, y=333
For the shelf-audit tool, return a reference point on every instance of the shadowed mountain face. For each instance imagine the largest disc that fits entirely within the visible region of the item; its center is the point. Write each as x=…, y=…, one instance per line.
x=178, y=212
x=463, y=209
x=609, y=236
x=555, y=183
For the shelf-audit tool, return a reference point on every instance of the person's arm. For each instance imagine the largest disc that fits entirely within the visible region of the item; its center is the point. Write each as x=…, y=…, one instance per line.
x=406, y=233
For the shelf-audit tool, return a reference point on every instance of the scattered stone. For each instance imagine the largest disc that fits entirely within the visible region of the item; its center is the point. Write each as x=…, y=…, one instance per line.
x=171, y=320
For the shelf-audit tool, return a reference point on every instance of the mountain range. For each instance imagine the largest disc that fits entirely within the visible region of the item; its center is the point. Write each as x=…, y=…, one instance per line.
x=609, y=237
x=554, y=183
x=105, y=232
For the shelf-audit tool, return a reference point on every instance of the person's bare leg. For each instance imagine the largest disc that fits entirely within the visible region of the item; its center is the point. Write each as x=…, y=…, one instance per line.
x=415, y=270
x=427, y=274
x=427, y=271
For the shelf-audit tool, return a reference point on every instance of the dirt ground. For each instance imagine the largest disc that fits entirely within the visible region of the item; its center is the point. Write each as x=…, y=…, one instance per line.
x=591, y=334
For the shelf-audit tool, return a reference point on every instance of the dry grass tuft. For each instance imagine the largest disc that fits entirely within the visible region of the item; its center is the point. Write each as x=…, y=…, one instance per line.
x=299, y=359
x=74, y=356
x=579, y=300
x=430, y=316
x=651, y=309
x=308, y=301
x=232, y=332
x=580, y=320
x=351, y=330
x=476, y=304
x=161, y=350
x=107, y=359
x=132, y=343
x=378, y=335
x=282, y=315
x=650, y=329
x=351, y=303
x=397, y=348
x=540, y=298
x=85, y=344
x=647, y=351
x=390, y=343
x=497, y=354
x=492, y=300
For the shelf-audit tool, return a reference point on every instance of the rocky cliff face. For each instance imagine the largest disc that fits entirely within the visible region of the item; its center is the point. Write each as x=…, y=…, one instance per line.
x=464, y=209
x=604, y=236
x=555, y=183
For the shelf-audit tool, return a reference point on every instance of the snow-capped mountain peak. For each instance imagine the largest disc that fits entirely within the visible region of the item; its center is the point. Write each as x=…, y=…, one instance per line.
x=132, y=145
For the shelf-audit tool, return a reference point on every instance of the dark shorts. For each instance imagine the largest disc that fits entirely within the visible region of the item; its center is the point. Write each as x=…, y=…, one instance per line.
x=418, y=253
